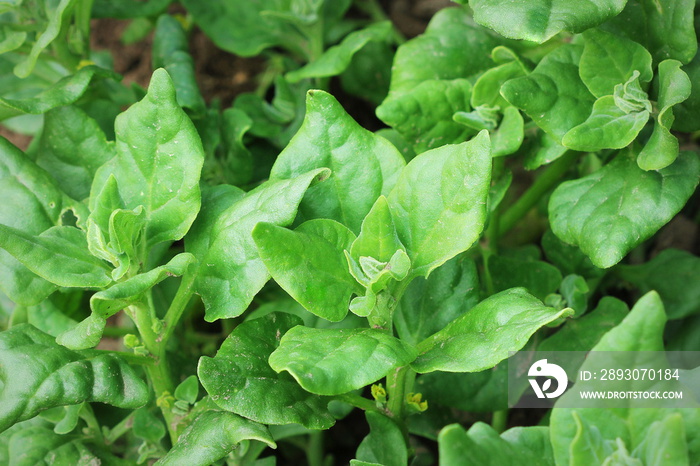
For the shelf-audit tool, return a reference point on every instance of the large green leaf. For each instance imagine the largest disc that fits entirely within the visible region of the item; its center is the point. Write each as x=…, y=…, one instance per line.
x=538, y=277
x=158, y=162
x=687, y=113
x=239, y=379
x=672, y=274
x=309, y=264
x=439, y=202
x=59, y=255
x=423, y=114
x=212, y=436
x=635, y=428
x=336, y=361
x=72, y=147
x=611, y=211
x=231, y=271
x=452, y=47
x=485, y=335
x=28, y=189
x=385, y=443
x=482, y=445
x=363, y=165
x=553, y=95
x=539, y=20
x=38, y=374
x=429, y=304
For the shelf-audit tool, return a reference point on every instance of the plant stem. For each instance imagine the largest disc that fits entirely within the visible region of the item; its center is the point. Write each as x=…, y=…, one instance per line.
x=539, y=188
x=120, y=429
x=314, y=449
x=374, y=10
x=399, y=382
x=499, y=420
x=178, y=305
x=358, y=401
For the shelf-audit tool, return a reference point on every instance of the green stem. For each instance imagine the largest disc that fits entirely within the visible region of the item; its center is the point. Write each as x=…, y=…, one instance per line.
x=546, y=181
x=314, y=449
x=88, y=416
x=358, y=401
x=178, y=305
x=374, y=10
x=499, y=420
x=120, y=429
x=399, y=383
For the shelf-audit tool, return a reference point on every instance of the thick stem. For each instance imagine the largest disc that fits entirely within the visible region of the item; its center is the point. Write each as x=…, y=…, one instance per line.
x=499, y=420
x=314, y=450
x=399, y=383
x=358, y=401
x=539, y=188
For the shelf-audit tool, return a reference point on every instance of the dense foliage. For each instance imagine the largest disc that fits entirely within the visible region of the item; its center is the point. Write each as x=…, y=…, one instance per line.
x=197, y=283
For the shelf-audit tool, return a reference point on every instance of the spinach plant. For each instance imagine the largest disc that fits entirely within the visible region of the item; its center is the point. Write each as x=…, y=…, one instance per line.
x=189, y=284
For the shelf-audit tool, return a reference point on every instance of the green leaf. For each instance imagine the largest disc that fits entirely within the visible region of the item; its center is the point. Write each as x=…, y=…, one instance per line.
x=39, y=374
x=569, y=259
x=487, y=89
x=608, y=127
x=231, y=271
x=50, y=316
x=539, y=20
x=485, y=335
x=662, y=148
x=28, y=189
x=611, y=211
x=687, y=113
x=71, y=149
x=452, y=47
x=553, y=95
x=429, y=304
x=435, y=217
x=212, y=436
x=378, y=237
x=641, y=330
x=584, y=333
x=171, y=51
x=369, y=72
x=541, y=150
x=239, y=160
x=665, y=442
x=59, y=255
x=510, y=134
x=336, y=361
x=188, y=390
x=484, y=391
x=669, y=274
x=538, y=277
x=385, y=443
x=664, y=27
x=336, y=59
x=609, y=60
x=108, y=302
x=239, y=379
x=363, y=165
x=423, y=114
x=308, y=263
x=147, y=426
x=158, y=162
x=482, y=445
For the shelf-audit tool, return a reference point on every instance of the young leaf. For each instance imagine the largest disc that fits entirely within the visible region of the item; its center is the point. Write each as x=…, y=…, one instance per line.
x=59, y=255
x=336, y=59
x=482, y=445
x=378, y=237
x=662, y=148
x=39, y=374
x=385, y=443
x=611, y=211
x=158, y=162
x=336, y=361
x=483, y=336
x=435, y=216
x=553, y=95
x=71, y=149
x=669, y=274
x=239, y=379
x=308, y=263
x=423, y=114
x=539, y=20
x=429, y=304
x=212, y=436
x=363, y=165
x=641, y=330
x=609, y=60
x=231, y=272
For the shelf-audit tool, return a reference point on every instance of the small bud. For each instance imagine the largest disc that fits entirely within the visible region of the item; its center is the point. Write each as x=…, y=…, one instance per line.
x=415, y=404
